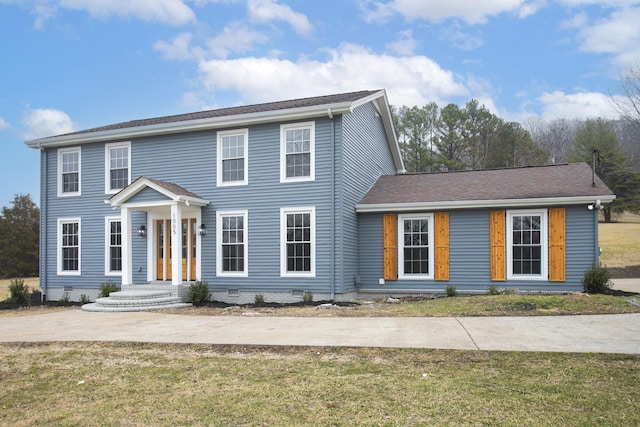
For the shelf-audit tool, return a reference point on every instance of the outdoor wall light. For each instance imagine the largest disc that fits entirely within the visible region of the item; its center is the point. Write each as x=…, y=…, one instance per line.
x=202, y=230
x=142, y=230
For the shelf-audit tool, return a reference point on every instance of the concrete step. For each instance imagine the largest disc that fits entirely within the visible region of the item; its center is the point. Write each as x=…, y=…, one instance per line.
x=136, y=300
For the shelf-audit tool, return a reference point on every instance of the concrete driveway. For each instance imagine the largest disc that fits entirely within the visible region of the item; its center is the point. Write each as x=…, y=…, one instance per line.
x=618, y=333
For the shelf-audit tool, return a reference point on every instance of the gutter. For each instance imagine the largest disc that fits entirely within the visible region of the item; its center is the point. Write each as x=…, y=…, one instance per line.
x=189, y=125
x=467, y=204
x=42, y=264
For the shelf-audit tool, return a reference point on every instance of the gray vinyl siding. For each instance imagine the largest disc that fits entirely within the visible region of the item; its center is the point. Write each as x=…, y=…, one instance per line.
x=469, y=267
x=365, y=156
x=91, y=208
x=189, y=160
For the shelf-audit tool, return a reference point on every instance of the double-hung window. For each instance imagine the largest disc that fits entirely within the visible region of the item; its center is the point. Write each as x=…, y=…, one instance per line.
x=527, y=244
x=69, y=162
x=297, y=152
x=298, y=242
x=415, y=246
x=113, y=249
x=117, y=166
x=231, y=236
x=69, y=246
x=233, y=157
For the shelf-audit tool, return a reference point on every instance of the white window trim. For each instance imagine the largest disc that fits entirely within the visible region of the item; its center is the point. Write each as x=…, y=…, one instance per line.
x=283, y=241
x=107, y=245
x=544, y=242
x=61, y=151
x=219, y=216
x=401, y=273
x=59, y=247
x=312, y=151
x=245, y=134
x=107, y=165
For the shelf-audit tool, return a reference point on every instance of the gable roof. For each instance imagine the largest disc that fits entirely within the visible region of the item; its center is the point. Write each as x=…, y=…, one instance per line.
x=168, y=189
x=290, y=110
x=527, y=186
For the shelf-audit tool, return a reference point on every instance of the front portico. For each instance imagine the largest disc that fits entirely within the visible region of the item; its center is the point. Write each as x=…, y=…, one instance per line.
x=172, y=230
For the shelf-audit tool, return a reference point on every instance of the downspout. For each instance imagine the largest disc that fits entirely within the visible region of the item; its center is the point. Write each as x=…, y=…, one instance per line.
x=43, y=223
x=596, y=209
x=333, y=204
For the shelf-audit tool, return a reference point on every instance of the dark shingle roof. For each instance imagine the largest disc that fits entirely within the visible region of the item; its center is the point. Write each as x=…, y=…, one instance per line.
x=556, y=181
x=233, y=111
x=173, y=188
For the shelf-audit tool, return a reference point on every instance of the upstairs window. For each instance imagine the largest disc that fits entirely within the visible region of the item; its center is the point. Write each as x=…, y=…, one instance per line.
x=69, y=171
x=232, y=157
x=117, y=167
x=297, y=152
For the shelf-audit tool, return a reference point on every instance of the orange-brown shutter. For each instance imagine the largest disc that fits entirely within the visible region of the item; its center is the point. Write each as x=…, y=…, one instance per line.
x=497, y=245
x=390, y=245
x=442, y=246
x=557, y=253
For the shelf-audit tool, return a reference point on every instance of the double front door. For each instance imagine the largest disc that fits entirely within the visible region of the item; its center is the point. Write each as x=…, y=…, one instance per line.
x=163, y=249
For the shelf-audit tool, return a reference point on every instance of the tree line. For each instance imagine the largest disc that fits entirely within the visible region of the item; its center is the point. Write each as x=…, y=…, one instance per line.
x=434, y=139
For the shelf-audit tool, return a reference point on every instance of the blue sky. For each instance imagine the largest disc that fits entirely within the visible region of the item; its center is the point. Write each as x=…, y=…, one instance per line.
x=74, y=64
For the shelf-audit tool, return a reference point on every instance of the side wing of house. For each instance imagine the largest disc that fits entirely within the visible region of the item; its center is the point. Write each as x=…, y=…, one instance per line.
x=534, y=249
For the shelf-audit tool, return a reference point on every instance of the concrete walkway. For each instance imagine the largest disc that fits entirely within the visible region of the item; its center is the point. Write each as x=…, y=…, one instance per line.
x=618, y=333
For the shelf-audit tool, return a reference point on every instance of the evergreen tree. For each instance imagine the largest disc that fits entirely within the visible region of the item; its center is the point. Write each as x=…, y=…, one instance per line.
x=19, y=238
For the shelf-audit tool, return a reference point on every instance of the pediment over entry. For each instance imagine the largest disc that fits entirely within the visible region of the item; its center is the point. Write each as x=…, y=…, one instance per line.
x=146, y=190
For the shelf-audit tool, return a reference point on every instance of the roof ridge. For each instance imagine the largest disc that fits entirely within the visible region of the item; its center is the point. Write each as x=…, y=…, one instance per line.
x=229, y=111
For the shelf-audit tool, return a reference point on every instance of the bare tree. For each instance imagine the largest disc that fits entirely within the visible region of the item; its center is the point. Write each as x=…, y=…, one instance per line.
x=629, y=104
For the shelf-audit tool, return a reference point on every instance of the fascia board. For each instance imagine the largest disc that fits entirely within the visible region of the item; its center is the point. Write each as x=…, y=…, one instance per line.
x=469, y=204
x=192, y=125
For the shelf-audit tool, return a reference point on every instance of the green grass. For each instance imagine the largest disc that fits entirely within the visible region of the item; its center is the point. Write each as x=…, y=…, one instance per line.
x=145, y=384
x=513, y=305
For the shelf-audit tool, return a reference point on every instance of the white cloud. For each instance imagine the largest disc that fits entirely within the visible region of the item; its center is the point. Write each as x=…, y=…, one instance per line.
x=472, y=12
x=172, y=12
x=578, y=105
x=405, y=44
x=235, y=38
x=3, y=124
x=409, y=80
x=43, y=122
x=179, y=48
x=461, y=39
x=270, y=10
x=618, y=34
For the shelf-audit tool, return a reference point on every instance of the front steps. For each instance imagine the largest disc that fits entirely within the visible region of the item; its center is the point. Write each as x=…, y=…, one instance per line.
x=136, y=300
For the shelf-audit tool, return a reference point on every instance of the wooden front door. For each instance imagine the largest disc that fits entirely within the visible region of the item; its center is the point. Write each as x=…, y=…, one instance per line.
x=163, y=249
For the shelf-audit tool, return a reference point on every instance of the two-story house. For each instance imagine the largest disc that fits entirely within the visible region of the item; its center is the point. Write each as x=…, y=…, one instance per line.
x=305, y=195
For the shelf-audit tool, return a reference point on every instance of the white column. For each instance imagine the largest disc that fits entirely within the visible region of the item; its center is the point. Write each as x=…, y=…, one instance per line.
x=198, y=246
x=127, y=252
x=176, y=244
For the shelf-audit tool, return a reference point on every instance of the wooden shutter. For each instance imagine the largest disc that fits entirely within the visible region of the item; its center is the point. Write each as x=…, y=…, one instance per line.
x=557, y=252
x=390, y=245
x=497, y=244
x=441, y=252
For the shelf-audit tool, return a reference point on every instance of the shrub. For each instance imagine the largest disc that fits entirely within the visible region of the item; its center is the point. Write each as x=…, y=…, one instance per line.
x=259, y=299
x=307, y=297
x=199, y=293
x=106, y=288
x=84, y=299
x=596, y=280
x=18, y=291
x=493, y=290
x=451, y=291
